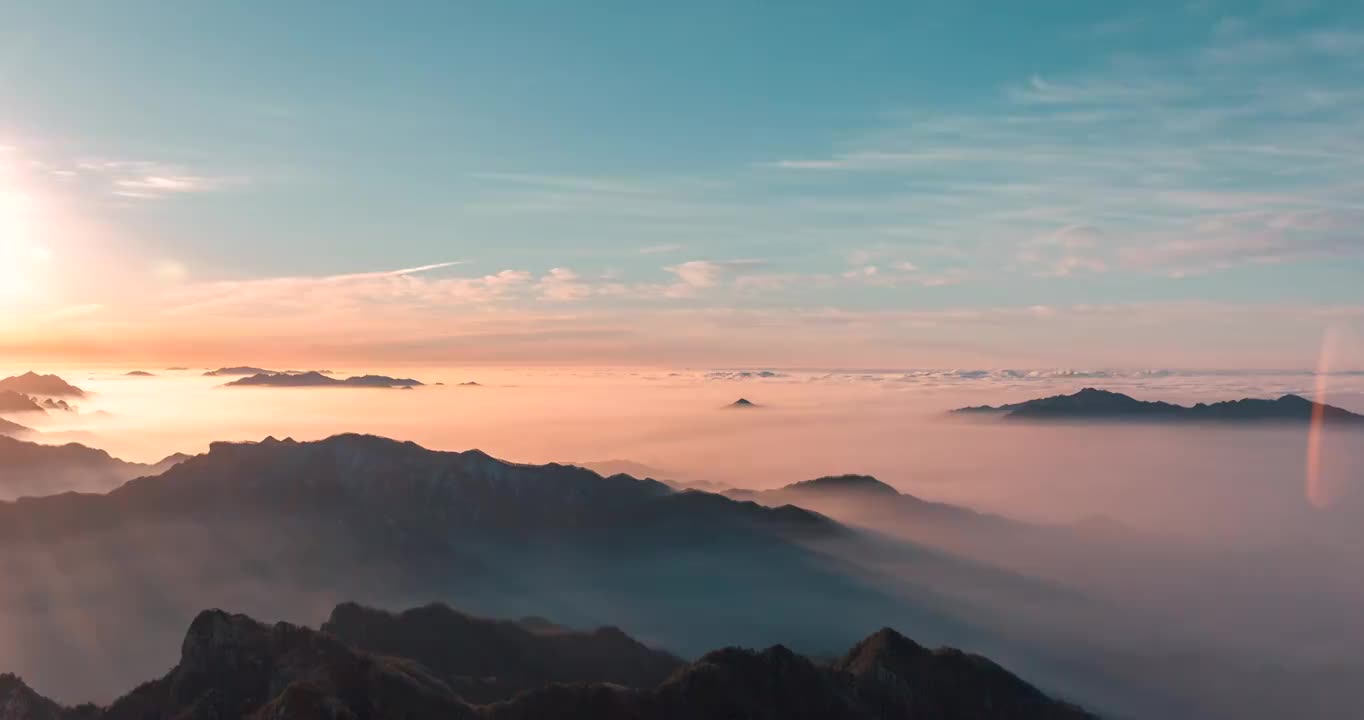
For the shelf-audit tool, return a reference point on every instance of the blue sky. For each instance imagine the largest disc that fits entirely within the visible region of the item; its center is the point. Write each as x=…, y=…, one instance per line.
x=1191, y=165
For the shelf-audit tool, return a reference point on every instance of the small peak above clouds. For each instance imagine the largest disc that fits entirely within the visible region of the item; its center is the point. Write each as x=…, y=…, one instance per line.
x=744, y=375
x=843, y=483
x=316, y=378
x=1094, y=404
x=239, y=370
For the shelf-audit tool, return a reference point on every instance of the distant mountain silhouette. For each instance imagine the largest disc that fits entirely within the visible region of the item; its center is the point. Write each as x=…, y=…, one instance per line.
x=861, y=490
x=13, y=429
x=232, y=666
x=864, y=501
x=673, y=479
x=317, y=379
x=138, y=373
x=742, y=403
x=61, y=405
x=1095, y=404
x=843, y=483
x=13, y=402
x=31, y=383
x=241, y=370
x=32, y=469
x=627, y=467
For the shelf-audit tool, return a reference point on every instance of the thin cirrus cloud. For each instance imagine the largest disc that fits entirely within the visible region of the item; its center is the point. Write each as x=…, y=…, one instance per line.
x=42, y=169
x=307, y=295
x=414, y=289
x=144, y=179
x=152, y=187
x=662, y=249
x=1138, y=150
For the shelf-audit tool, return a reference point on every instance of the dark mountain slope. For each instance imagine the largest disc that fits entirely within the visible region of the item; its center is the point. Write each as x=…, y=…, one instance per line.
x=290, y=529
x=488, y=660
x=19, y=702
x=896, y=677
x=885, y=676
x=234, y=667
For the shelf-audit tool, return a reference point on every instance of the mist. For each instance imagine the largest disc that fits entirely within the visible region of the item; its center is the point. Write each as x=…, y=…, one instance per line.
x=1211, y=483
x=1188, y=556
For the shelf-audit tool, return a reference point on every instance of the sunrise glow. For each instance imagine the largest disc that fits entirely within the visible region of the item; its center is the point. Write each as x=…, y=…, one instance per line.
x=638, y=361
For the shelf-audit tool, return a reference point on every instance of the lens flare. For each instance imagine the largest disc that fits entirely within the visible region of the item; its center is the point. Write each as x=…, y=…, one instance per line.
x=1317, y=492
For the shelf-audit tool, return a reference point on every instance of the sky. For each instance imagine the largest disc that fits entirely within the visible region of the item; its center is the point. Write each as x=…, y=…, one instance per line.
x=1043, y=184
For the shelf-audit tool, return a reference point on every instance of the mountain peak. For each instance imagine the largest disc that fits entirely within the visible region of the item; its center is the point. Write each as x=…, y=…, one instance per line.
x=488, y=660
x=214, y=633
x=18, y=700
x=743, y=403
x=878, y=649
x=232, y=666
x=844, y=483
x=949, y=682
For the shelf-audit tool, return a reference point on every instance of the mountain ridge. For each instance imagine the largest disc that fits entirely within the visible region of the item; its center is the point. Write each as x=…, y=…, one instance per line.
x=28, y=468
x=1095, y=404
x=314, y=378
x=232, y=665
x=404, y=477
x=275, y=525
x=33, y=384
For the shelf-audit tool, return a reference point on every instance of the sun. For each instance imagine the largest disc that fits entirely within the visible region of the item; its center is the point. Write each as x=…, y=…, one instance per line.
x=18, y=249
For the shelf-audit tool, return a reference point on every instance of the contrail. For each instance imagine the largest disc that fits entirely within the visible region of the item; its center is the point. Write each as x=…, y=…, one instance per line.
x=424, y=268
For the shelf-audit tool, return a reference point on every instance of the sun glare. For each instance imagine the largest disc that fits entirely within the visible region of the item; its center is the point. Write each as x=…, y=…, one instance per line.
x=20, y=253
